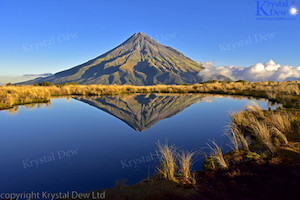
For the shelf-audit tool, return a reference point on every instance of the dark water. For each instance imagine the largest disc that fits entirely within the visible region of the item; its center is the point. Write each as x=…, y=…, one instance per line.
x=84, y=144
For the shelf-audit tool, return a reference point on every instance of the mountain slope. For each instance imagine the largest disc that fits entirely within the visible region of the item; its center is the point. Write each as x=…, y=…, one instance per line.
x=139, y=60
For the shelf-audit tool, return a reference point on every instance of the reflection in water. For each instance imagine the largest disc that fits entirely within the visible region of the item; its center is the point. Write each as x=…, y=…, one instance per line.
x=14, y=110
x=143, y=110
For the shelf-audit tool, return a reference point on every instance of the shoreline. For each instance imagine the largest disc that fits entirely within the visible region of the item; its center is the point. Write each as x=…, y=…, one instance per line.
x=286, y=93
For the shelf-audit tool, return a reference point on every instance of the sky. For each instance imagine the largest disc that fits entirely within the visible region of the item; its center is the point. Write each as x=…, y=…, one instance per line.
x=47, y=36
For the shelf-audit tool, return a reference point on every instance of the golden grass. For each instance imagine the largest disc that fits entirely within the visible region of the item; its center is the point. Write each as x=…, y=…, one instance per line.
x=168, y=161
x=217, y=155
x=281, y=121
x=267, y=127
x=262, y=133
x=185, y=164
x=284, y=92
x=255, y=109
x=176, y=166
x=237, y=138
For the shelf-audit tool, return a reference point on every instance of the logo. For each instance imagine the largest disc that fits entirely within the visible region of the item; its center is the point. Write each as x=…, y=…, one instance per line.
x=293, y=9
x=276, y=10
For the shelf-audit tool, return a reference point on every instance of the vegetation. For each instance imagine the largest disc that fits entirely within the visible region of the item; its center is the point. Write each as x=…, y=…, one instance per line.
x=168, y=161
x=185, y=165
x=286, y=93
x=175, y=166
x=217, y=156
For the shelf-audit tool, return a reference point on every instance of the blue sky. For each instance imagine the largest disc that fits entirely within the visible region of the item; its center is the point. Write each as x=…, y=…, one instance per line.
x=39, y=36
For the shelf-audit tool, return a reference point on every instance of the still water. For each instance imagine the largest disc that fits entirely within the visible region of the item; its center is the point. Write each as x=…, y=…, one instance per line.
x=87, y=143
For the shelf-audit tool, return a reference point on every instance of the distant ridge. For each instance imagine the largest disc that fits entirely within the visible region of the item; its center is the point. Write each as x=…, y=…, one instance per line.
x=139, y=60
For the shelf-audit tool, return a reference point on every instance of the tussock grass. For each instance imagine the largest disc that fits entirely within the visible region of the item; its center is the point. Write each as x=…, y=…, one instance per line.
x=286, y=93
x=281, y=121
x=237, y=138
x=185, y=164
x=266, y=127
x=168, y=161
x=275, y=132
x=176, y=165
x=255, y=109
x=262, y=133
x=217, y=155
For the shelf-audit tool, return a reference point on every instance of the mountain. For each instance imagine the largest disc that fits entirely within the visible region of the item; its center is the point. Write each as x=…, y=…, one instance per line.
x=139, y=60
x=143, y=111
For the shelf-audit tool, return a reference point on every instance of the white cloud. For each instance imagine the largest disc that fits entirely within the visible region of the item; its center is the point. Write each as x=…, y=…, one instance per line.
x=258, y=72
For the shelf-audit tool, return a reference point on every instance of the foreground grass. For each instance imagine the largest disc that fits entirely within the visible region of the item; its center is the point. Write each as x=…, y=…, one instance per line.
x=286, y=93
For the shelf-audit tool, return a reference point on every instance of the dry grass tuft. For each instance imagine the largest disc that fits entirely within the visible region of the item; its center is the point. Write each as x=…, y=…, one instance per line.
x=185, y=164
x=168, y=161
x=262, y=133
x=281, y=121
x=237, y=138
x=217, y=155
x=255, y=109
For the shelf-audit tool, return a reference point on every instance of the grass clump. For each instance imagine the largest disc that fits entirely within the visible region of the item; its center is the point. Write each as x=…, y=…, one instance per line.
x=175, y=166
x=266, y=127
x=168, y=165
x=237, y=138
x=185, y=164
x=217, y=155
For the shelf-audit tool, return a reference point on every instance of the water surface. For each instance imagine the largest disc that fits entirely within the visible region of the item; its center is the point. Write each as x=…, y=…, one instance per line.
x=87, y=143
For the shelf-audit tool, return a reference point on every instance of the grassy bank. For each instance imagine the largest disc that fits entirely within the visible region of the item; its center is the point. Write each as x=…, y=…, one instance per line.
x=286, y=93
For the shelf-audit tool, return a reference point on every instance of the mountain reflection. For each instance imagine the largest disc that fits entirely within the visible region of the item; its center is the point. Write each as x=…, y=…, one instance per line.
x=143, y=110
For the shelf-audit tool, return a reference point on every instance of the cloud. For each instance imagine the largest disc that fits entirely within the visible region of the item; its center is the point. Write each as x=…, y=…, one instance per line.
x=21, y=78
x=39, y=75
x=258, y=72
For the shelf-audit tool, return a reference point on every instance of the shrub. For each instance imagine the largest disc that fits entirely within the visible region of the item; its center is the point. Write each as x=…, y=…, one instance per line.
x=47, y=83
x=241, y=81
